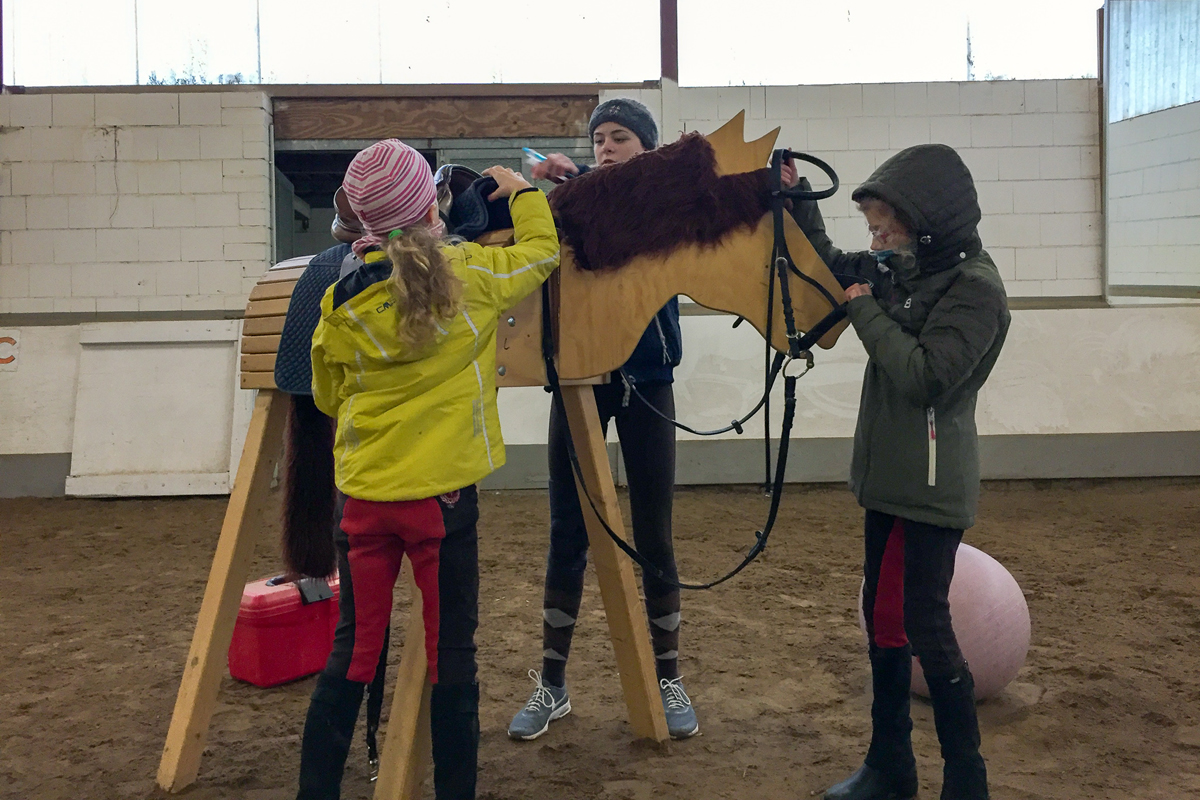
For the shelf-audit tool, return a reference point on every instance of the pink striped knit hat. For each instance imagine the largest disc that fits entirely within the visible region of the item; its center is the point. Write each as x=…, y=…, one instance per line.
x=389, y=186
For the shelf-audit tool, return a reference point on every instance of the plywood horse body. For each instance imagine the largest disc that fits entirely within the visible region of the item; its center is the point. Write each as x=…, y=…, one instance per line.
x=604, y=312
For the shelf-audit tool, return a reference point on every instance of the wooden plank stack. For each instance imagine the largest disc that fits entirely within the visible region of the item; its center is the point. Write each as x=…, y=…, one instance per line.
x=265, y=314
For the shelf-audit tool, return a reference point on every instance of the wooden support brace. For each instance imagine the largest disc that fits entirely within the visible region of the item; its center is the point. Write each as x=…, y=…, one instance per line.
x=406, y=744
x=626, y=618
x=206, y=660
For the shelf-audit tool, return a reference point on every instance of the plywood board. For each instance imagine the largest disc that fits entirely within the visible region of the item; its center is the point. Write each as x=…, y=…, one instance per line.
x=733, y=277
x=141, y=411
x=519, y=360
x=258, y=362
x=268, y=308
x=260, y=344
x=432, y=117
x=272, y=290
x=258, y=380
x=263, y=326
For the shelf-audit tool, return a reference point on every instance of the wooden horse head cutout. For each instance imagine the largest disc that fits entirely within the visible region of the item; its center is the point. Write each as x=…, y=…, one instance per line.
x=691, y=218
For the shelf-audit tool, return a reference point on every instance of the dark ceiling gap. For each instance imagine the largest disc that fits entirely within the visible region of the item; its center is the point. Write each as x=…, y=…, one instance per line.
x=316, y=174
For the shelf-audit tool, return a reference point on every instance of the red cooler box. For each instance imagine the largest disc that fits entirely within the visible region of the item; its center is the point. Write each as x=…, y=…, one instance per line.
x=284, y=631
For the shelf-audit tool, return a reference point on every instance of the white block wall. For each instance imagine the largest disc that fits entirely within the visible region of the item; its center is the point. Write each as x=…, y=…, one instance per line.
x=1032, y=147
x=133, y=202
x=1154, y=198
x=1062, y=371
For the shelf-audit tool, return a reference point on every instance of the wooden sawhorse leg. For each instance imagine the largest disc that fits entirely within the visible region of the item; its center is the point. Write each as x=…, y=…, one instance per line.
x=614, y=571
x=406, y=745
x=406, y=749
x=206, y=661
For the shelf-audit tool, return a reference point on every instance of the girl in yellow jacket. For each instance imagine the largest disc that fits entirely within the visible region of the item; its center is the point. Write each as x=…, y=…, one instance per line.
x=404, y=358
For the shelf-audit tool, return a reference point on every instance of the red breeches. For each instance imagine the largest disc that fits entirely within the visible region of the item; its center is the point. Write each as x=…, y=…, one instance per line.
x=380, y=534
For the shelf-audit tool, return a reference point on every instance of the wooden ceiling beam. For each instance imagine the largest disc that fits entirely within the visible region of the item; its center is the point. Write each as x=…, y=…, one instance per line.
x=432, y=117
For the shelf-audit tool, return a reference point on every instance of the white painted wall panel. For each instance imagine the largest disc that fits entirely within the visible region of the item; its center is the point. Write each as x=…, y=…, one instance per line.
x=1118, y=370
x=37, y=395
x=1112, y=370
x=153, y=414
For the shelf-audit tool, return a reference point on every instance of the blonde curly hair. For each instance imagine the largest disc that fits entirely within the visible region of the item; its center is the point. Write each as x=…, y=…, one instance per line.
x=426, y=290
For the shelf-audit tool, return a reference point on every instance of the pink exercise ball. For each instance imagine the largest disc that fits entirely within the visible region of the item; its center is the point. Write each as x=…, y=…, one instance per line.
x=990, y=618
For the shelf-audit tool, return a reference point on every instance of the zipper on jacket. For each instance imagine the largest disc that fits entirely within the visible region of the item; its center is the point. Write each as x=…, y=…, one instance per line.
x=932, y=420
x=662, y=337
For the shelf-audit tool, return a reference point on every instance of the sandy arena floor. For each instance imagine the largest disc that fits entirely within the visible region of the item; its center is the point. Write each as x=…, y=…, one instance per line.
x=100, y=598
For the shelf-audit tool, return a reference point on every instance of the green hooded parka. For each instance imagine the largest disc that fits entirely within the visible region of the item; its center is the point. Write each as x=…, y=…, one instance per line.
x=932, y=328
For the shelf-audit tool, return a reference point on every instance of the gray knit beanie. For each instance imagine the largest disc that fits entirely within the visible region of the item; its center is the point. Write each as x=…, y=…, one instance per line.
x=629, y=114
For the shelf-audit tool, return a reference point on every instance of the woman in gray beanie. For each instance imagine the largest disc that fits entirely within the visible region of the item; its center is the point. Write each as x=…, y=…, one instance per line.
x=620, y=129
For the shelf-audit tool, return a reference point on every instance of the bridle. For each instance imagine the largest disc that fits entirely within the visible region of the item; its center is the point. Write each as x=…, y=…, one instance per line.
x=799, y=348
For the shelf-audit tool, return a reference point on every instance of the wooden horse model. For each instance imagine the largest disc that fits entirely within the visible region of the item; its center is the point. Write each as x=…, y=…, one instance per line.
x=674, y=240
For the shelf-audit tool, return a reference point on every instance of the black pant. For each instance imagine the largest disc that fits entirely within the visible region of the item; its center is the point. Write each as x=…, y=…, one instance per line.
x=333, y=710
x=458, y=592
x=648, y=447
x=906, y=595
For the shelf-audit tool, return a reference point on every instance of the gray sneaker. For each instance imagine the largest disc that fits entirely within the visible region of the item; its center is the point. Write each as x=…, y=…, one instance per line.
x=681, y=717
x=547, y=704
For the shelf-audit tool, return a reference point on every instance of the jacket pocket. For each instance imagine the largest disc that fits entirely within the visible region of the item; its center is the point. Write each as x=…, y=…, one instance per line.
x=931, y=420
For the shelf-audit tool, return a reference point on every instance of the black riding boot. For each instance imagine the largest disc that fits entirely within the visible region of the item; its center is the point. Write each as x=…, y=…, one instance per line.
x=454, y=725
x=964, y=776
x=890, y=770
x=328, y=730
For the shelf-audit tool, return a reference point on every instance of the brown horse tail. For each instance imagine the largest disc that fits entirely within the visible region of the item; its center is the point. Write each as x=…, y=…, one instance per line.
x=308, y=491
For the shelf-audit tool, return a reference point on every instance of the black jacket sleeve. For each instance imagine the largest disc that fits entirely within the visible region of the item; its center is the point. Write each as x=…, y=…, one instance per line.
x=848, y=268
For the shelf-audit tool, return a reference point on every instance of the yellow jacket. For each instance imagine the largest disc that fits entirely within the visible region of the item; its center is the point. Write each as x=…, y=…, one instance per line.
x=412, y=425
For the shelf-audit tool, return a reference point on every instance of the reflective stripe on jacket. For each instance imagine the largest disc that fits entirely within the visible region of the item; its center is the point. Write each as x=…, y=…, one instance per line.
x=412, y=425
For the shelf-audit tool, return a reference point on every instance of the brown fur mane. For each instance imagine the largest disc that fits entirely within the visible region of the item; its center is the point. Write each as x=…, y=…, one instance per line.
x=656, y=202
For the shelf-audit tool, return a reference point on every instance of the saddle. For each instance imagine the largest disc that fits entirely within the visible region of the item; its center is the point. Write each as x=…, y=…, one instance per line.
x=464, y=207
x=293, y=359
